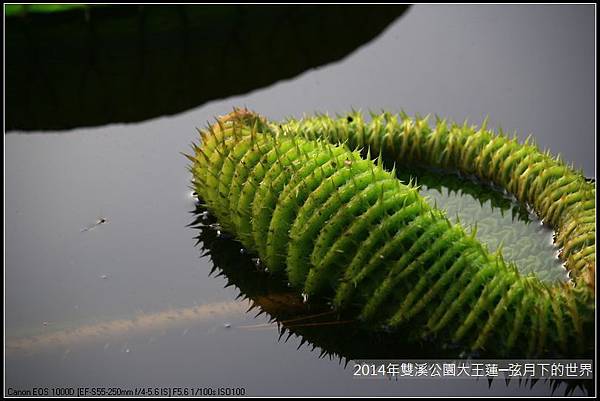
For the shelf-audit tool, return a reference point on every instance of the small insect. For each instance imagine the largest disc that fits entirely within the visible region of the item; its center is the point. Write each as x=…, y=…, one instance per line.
x=100, y=221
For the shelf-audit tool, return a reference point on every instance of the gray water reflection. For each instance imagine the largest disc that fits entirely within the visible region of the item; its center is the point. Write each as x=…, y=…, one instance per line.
x=529, y=67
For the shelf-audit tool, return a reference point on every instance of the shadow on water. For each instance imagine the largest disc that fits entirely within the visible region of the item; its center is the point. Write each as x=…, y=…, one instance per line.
x=338, y=336
x=91, y=66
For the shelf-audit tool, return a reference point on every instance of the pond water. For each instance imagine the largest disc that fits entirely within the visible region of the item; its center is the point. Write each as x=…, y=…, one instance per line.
x=105, y=285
